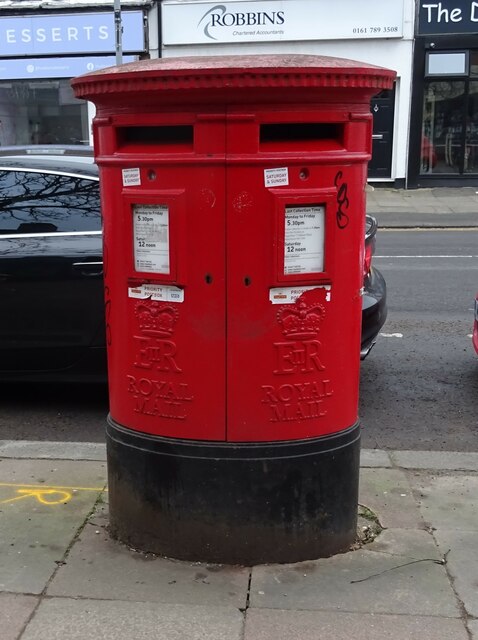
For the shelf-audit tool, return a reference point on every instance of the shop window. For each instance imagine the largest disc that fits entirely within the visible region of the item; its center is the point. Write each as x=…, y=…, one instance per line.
x=449, y=136
x=470, y=163
x=447, y=64
x=442, y=127
x=41, y=112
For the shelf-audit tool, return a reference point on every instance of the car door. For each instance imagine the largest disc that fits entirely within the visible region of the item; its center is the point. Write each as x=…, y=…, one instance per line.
x=50, y=269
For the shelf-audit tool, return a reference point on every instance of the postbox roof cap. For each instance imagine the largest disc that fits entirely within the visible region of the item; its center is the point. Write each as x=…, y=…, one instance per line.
x=193, y=73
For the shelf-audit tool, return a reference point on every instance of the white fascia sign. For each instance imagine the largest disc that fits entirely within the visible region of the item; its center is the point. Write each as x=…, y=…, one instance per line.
x=196, y=22
x=69, y=33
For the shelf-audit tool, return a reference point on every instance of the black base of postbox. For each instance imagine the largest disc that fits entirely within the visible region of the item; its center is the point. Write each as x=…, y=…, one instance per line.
x=234, y=503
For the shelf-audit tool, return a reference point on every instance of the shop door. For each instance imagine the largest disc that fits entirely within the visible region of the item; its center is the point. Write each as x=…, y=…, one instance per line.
x=449, y=140
x=380, y=166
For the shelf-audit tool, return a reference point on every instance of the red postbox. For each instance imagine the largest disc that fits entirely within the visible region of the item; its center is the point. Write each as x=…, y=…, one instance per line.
x=234, y=210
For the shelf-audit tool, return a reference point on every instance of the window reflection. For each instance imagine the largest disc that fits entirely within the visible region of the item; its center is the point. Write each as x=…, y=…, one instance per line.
x=442, y=128
x=41, y=112
x=471, y=140
x=45, y=202
x=474, y=63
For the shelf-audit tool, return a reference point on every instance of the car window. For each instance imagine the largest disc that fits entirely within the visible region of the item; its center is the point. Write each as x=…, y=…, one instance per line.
x=34, y=202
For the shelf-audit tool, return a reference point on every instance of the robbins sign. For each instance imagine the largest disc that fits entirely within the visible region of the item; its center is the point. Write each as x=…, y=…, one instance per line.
x=448, y=16
x=207, y=22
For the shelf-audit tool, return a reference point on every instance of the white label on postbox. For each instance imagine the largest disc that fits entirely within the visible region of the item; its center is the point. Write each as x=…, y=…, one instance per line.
x=304, y=239
x=167, y=293
x=289, y=295
x=131, y=177
x=276, y=177
x=151, y=238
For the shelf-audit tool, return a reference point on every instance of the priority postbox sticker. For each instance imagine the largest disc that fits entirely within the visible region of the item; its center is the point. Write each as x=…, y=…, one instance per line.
x=289, y=295
x=166, y=293
x=131, y=177
x=276, y=177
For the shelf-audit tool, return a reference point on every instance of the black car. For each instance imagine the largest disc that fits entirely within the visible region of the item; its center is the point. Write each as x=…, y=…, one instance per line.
x=51, y=319
x=374, y=300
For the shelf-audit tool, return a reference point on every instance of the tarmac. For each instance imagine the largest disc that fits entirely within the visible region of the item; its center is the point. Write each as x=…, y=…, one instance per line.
x=63, y=578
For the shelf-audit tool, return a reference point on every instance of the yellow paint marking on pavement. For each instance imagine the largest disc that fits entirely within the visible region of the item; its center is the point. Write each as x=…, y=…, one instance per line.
x=48, y=495
x=49, y=486
x=41, y=496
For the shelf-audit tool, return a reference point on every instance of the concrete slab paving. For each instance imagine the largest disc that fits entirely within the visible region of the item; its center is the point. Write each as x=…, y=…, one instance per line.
x=392, y=203
x=42, y=506
x=369, y=580
x=15, y=610
x=99, y=567
x=65, y=619
x=375, y=458
x=442, y=199
x=393, y=589
x=52, y=450
x=326, y=625
x=434, y=208
x=388, y=493
x=447, y=501
x=462, y=564
x=53, y=472
x=462, y=208
x=423, y=220
x=473, y=629
x=436, y=460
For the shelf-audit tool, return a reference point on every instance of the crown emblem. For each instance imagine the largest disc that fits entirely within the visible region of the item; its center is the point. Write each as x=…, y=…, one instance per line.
x=156, y=319
x=302, y=321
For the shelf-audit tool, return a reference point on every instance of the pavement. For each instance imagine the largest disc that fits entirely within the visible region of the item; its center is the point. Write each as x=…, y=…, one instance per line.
x=63, y=577
x=423, y=208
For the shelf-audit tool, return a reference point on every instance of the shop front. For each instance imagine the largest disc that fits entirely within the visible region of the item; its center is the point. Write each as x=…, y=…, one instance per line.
x=444, y=122
x=39, y=54
x=377, y=32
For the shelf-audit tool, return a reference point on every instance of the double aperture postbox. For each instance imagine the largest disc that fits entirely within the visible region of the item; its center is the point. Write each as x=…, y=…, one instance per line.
x=233, y=205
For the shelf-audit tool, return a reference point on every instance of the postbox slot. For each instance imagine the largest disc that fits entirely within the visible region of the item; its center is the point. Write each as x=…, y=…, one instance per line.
x=168, y=137
x=286, y=136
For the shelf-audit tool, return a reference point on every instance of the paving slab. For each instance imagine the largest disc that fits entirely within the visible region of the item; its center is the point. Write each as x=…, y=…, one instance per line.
x=473, y=629
x=326, y=625
x=42, y=506
x=375, y=458
x=447, y=501
x=65, y=619
x=15, y=610
x=462, y=563
x=392, y=204
x=99, y=567
x=52, y=450
x=436, y=460
x=369, y=580
x=53, y=472
x=388, y=493
x=388, y=218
